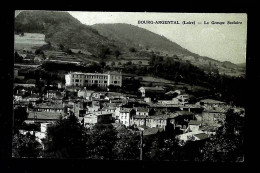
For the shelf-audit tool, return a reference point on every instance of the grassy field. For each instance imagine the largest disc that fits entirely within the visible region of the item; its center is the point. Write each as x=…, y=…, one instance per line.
x=29, y=41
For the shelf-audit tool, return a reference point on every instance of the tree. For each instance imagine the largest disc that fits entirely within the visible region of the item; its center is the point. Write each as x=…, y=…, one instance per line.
x=20, y=115
x=103, y=51
x=165, y=147
x=117, y=53
x=100, y=142
x=38, y=52
x=102, y=64
x=113, y=63
x=61, y=47
x=17, y=57
x=127, y=146
x=66, y=138
x=132, y=49
x=227, y=144
x=129, y=63
x=25, y=146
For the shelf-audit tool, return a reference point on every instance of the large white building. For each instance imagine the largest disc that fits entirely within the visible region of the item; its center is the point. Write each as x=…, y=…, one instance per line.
x=89, y=79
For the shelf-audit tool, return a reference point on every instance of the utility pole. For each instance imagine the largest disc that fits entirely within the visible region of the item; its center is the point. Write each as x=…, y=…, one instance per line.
x=141, y=145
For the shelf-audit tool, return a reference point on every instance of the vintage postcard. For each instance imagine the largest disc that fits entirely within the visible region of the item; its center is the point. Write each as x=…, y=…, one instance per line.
x=129, y=85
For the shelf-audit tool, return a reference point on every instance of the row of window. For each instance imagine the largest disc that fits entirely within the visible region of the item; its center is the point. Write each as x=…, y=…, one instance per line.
x=100, y=85
x=90, y=81
x=90, y=77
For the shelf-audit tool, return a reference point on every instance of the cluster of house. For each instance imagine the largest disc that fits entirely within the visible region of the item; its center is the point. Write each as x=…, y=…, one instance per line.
x=190, y=121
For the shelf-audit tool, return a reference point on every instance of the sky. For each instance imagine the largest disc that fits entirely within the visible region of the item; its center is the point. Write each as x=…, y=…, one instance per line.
x=223, y=42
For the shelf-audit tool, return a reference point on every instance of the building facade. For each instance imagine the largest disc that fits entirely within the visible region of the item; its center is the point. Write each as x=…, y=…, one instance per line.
x=89, y=79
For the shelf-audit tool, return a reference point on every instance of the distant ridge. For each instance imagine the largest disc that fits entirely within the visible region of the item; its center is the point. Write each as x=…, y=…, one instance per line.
x=135, y=36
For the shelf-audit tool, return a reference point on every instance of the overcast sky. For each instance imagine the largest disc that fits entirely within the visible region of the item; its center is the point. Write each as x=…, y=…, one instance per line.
x=221, y=42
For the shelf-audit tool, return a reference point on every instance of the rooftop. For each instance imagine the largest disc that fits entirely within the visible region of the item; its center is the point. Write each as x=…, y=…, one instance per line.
x=48, y=106
x=152, y=131
x=211, y=101
x=125, y=110
x=45, y=115
x=98, y=113
x=194, y=122
x=202, y=136
x=214, y=109
x=153, y=88
x=141, y=109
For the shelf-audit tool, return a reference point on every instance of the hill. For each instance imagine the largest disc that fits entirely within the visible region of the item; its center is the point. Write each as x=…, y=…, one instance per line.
x=61, y=28
x=133, y=36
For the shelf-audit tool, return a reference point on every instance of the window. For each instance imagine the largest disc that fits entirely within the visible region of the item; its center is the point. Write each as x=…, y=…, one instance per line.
x=115, y=82
x=105, y=81
x=76, y=80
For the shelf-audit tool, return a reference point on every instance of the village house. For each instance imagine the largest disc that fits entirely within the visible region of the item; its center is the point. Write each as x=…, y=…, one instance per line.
x=181, y=99
x=33, y=99
x=49, y=108
x=44, y=127
x=86, y=94
x=139, y=120
x=61, y=85
x=142, y=111
x=111, y=110
x=180, y=120
x=150, y=132
x=194, y=125
x=192, y=108
x=192, y=136
x=43, y=117
x=164, y=108
x=91, y=119
x=159, y=121
x=211, y=103
x=213, y=115
x=18, y=97
x=151, y=91
x=51, y=94
x=125, y=116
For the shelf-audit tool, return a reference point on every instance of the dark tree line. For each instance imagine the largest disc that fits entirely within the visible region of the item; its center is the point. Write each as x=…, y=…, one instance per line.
x=232, y=89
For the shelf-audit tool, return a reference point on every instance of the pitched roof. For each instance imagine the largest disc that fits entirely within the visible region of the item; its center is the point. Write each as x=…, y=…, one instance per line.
x=45, y=115
x=202, y=136
x=211, y=101
x=153, y=88
x=141, y=109
x=194, y=122
x=152, y=131
x=215, y=109
x=52, y=106
x=125, y=110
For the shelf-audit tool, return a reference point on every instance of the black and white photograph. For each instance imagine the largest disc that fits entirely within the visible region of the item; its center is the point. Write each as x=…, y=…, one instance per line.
x=143, y=86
